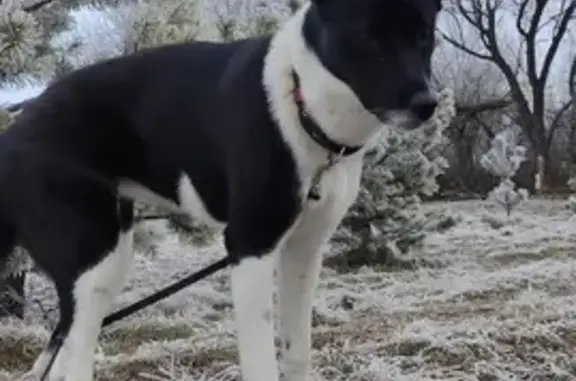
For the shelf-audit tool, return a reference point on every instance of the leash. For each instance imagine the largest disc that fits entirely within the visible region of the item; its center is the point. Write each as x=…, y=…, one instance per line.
x=171, y=289
x=166, y=291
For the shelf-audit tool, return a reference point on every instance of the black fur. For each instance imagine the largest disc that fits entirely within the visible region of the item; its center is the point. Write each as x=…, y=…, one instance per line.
x=198, y=108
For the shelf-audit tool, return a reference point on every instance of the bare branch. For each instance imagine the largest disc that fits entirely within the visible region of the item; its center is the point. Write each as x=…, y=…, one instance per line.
x=487, y=130
x=36, y=6
x=492, y=105
x=556, y=40
x=557, y=118
x=521, y=13
x=572, y=80
x=466, y=49
x=530, y=41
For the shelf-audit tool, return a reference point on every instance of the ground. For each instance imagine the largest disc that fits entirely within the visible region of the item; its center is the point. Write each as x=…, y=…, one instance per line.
x=485, y=304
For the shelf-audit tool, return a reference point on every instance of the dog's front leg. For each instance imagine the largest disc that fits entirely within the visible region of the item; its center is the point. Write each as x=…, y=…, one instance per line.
x=252, y=289
x=299, y=267
x=298, y=270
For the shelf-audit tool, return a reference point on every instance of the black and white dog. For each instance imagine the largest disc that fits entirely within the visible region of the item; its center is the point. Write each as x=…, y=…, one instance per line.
x=261, y=137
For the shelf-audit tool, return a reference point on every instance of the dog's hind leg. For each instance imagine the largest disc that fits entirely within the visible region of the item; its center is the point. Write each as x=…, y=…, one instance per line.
x=87, y=257
x=93, y=294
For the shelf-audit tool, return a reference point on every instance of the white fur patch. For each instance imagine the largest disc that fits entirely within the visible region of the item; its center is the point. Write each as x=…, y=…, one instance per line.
x=189, y=201
x=330, y=101
x=138, y=192
x=252, y=289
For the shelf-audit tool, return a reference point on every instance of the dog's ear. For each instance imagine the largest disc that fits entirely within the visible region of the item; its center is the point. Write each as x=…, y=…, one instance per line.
x=439, y=4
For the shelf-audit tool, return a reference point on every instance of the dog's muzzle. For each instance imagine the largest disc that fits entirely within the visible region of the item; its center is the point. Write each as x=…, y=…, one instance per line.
x=423, y=105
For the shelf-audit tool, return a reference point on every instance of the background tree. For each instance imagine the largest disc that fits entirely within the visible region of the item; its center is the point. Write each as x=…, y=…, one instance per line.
x=524, y=54
x=480, y=100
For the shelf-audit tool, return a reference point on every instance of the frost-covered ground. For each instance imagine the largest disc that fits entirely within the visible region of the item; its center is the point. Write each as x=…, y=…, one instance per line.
x=490, y=305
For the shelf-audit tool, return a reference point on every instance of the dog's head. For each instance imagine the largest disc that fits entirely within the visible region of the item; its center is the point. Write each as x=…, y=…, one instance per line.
x=381, y=49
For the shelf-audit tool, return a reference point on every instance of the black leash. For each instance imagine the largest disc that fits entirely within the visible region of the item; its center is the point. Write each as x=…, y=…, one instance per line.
x=166, y=292
x=171, y=289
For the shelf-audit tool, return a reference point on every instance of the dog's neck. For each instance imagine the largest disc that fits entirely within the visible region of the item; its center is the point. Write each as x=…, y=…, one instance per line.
x=330, y=102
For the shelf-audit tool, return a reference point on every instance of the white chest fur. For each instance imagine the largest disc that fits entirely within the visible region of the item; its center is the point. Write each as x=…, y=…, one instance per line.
x=338, y=189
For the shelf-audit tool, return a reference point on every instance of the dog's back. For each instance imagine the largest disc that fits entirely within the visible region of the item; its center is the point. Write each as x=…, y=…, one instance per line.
x=169, y=93
x=146, y=117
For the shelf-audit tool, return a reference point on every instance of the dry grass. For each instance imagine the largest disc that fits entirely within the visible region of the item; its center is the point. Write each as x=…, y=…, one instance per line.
x=501, y=307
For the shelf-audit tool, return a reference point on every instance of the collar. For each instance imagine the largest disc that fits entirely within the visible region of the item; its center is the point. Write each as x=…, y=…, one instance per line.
x=313, y=129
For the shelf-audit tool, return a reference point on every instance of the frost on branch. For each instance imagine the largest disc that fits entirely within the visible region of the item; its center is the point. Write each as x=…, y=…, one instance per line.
x=20, y=36
x=157, y=23
x=503, y=160
x=23, y=41
x=387, y=219
x=245, y=18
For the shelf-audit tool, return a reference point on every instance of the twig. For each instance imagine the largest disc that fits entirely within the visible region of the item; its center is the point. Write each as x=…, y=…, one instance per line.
x=36, y=6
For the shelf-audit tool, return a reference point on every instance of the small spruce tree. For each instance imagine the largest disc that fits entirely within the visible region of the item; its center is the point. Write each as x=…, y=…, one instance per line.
x=503, y=160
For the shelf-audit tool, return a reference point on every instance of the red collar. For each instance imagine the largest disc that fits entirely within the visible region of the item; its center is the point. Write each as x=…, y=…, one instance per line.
x=313, y=129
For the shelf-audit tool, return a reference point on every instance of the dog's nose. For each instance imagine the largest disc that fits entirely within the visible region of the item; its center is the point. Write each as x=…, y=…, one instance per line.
x=423, y=105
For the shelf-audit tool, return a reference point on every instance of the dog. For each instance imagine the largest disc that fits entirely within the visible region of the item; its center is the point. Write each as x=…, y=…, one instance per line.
x=262, y=138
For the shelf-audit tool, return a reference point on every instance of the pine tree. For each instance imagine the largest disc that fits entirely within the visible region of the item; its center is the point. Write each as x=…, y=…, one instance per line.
x=387, y=219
